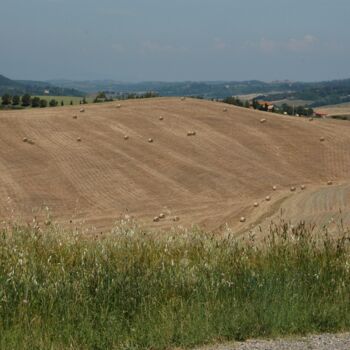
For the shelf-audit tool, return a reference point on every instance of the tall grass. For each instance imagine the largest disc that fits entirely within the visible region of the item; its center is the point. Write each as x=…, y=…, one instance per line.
x=139, y=290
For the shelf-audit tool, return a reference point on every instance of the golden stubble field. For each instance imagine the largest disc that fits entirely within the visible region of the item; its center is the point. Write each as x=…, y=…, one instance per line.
x=100, y=166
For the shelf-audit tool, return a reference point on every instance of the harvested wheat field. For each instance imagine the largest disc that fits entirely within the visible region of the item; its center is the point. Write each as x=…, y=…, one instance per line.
x=172, y=161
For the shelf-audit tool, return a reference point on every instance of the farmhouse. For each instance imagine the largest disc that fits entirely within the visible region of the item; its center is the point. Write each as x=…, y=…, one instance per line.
x=321, y=115
x=267, y=106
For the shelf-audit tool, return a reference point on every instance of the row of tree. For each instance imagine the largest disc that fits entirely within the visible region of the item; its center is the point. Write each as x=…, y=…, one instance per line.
x=29, y=101
x=104, y=96
x=283, y=109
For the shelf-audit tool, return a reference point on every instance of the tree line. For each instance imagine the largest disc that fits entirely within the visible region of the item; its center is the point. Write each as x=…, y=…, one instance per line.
x=27, y=100
x=283, y=109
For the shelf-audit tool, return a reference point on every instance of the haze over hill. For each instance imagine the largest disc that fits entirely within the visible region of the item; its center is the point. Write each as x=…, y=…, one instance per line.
x=20, y=87
x=210, y=179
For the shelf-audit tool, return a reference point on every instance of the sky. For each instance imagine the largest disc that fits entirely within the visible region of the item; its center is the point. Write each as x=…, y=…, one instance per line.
x=175, y=40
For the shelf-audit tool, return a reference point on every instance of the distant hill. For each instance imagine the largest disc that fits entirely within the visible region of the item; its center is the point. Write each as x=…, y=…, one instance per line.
x=20, y=87
x=314, y=93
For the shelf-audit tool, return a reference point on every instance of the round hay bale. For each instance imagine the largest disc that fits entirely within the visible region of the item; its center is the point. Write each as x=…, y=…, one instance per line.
x=189, y=133
x=162, y=216
x=118, y=105
x=263, y=120
x=126, y=137
x=75, y=117
x=225, y=110
x=330, y=182
x=293, y=189
x=267, y=198
x=302, y=187
x=242, y=219
x=30, y=141
x=183, y=98
x=161, y=118
x=156, y=219
x=79, y=139
x=274, y=188
x=82, y=110
x=256, y=204
x=322, y=139
x=25, y=139
x=150, y=140
x=176, y=218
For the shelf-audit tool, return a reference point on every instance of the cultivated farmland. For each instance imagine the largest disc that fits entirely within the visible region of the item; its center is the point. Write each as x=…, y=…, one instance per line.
x=137, y=159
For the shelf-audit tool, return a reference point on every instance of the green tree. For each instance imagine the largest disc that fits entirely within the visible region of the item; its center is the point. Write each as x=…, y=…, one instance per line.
x=16, y=100
x=43, y=103
x=62, y=103
x=71, y=103
x=26, y=100
x=53, y=103
x=6, y=99
x=35, y=102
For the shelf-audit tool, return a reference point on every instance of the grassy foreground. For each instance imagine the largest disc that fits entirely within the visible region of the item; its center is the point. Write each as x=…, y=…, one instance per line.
x=138, y=290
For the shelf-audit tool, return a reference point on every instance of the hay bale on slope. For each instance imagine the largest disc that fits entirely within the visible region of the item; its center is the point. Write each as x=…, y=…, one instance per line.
x=191, y=133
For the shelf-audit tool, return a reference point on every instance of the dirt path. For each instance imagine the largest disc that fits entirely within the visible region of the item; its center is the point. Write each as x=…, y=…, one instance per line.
x=314, y=342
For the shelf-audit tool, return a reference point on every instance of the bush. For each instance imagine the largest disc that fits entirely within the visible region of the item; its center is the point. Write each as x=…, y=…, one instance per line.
x=26, y=100
x=6, y=100
x=16, y=100
x=35, y=102
x=43, y=103
x=53, y=103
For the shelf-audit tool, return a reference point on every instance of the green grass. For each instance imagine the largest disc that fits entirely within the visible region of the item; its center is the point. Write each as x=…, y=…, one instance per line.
x=140, y=290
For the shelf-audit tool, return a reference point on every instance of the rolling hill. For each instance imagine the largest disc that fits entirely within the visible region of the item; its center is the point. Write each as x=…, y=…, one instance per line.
x=21, y=87
x=209, y=179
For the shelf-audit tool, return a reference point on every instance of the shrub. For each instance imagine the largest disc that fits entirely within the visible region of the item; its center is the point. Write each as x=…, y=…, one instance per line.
x=35, y=102
x=43, y=103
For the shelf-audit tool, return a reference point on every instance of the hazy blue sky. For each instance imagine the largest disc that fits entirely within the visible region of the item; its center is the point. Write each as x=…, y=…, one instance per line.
x=170, y=40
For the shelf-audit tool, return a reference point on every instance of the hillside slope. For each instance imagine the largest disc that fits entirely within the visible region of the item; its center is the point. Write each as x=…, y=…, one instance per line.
x=210, y=179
